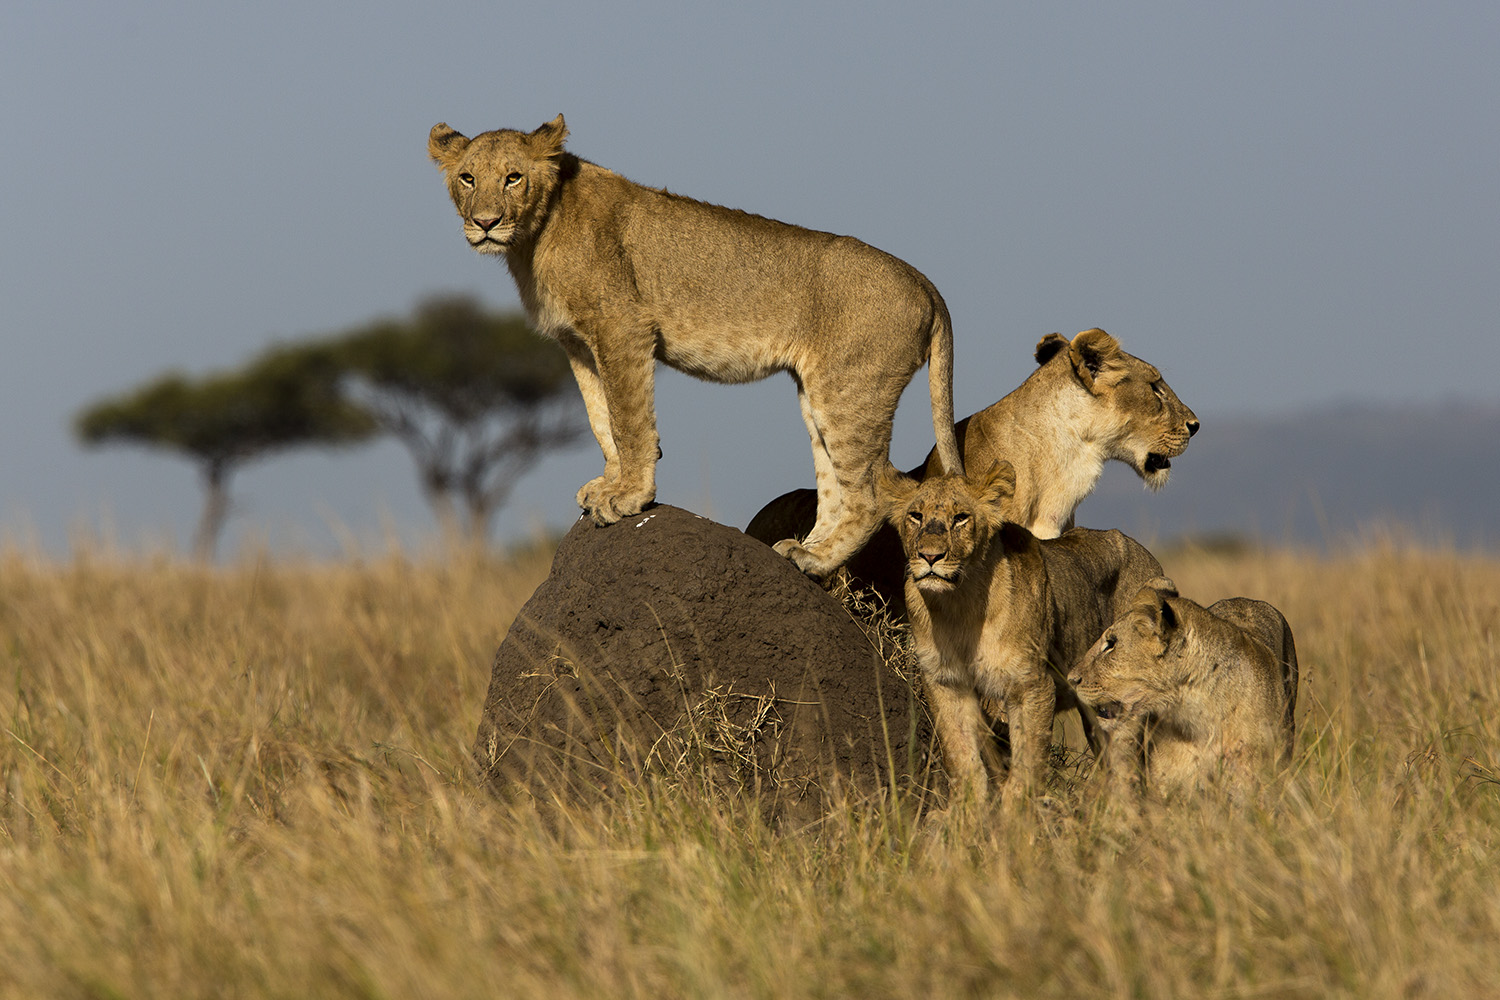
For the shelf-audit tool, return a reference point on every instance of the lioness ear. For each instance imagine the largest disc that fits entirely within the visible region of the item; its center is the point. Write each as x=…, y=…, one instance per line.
x=998, y=484
x=548, y=138
x=1048, y=346
x=1090, y=351
x=445, y=145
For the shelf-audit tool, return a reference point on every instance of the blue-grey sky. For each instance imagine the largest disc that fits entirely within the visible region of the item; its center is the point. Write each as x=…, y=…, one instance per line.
x=1281, y=204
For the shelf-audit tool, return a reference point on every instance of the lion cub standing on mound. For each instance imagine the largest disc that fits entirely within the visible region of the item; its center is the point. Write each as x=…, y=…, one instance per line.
x=1192, y=695
x=997, y=615
x=624, y=275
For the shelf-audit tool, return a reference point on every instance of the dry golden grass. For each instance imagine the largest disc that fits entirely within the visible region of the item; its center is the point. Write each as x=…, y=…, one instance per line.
x=254, y=782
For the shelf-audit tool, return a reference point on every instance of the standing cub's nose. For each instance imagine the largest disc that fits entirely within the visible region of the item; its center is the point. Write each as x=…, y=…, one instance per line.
x=1192, y=426
x=487, y=224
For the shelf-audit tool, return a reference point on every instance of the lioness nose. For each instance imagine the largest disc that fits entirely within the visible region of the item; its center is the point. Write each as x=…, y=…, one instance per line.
x=1192, y=427
x=487, y=224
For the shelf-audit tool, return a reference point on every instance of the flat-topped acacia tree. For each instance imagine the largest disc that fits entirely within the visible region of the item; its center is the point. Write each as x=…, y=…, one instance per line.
x=290, y=397
x=476, y=397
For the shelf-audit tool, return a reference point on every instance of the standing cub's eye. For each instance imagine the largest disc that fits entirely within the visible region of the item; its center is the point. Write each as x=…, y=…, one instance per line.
x=916, y=516
x=960, y=518
x=512, y=179
x=1109, y=645
x=467, y=180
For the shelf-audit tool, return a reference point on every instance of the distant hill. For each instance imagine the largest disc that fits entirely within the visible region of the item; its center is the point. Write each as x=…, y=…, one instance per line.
x=1323, y=477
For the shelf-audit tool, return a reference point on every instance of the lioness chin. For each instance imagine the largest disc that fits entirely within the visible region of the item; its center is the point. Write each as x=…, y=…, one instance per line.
x=625, y=276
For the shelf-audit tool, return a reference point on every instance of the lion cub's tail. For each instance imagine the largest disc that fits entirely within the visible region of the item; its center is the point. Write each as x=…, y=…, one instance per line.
x=940, y=387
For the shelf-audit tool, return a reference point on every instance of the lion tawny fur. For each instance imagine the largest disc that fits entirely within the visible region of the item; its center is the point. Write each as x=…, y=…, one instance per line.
x=625, y=275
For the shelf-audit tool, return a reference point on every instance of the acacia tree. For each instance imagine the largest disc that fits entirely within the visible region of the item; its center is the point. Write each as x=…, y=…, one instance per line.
x=290, y=397
x=476, y=398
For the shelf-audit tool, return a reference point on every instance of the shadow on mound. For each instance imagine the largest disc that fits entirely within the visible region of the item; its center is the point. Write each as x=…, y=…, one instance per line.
x=669, y=646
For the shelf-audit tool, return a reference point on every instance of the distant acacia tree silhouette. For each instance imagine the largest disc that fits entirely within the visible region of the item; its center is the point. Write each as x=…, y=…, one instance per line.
x=476, y=398
x=289, y=397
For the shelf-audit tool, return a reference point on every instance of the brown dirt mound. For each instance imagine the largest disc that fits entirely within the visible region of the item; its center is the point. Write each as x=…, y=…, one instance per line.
x=668, y=644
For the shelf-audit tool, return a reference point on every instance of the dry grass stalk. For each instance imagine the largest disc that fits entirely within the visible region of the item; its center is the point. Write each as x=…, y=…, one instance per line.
x=255, y=782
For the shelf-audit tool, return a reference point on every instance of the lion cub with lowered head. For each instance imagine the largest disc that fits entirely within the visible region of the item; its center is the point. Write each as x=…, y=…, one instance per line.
x=625, y=276
x=1192, y=695
x=1087, y=402
x=997, y=615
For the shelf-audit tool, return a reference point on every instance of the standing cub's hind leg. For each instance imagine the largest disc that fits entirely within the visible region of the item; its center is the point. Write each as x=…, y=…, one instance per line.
x=851, y=519
x=850, y=444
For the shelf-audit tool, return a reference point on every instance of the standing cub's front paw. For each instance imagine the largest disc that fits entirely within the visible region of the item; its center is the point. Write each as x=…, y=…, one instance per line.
x=588, y=498
x=607, y=502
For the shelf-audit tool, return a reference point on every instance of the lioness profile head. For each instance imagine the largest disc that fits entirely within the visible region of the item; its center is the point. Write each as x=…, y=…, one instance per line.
x=944, y=521
x=1137, y=665
x=1141, y=417
x=501, y=182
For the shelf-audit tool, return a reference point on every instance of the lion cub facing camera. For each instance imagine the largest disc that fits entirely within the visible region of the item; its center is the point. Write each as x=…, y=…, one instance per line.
x=1192, y=696
x=997, y=615
x=625, y=276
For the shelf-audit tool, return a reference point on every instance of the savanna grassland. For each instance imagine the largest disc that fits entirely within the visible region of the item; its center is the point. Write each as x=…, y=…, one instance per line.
x=253, y=781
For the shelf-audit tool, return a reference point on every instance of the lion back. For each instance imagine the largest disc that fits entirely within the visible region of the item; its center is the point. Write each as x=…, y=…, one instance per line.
x=1093, y=576
x=1109, y=565
x=1268, y=626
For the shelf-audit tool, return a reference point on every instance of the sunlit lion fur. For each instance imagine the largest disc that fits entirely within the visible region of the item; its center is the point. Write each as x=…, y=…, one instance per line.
x=1192, y=696
x=625, y=275
x=1087, y=402
x=997, y=615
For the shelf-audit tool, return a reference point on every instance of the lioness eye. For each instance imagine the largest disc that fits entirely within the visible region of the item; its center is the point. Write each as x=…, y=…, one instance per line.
x=467, y=180
x=960, y=519
x=1109, y=644
x=512, y=179
x=916, y=518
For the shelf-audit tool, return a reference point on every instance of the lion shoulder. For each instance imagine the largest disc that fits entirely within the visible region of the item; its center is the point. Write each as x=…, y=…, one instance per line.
x=1105, y=566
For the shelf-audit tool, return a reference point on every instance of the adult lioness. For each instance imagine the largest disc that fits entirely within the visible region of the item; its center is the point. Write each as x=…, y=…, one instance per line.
x=1192, y=695
x=1087, y=402
x=997, y=615
x=624, y=275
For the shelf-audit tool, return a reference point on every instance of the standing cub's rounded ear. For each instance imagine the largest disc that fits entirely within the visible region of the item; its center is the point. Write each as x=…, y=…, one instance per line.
x=548, y=139
x=1090, y=351
x=445, y=145
x=1048, y=346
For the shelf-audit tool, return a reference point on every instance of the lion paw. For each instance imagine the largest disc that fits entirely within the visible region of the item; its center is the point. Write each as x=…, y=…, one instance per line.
x=804, y=558
x=606, y=502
